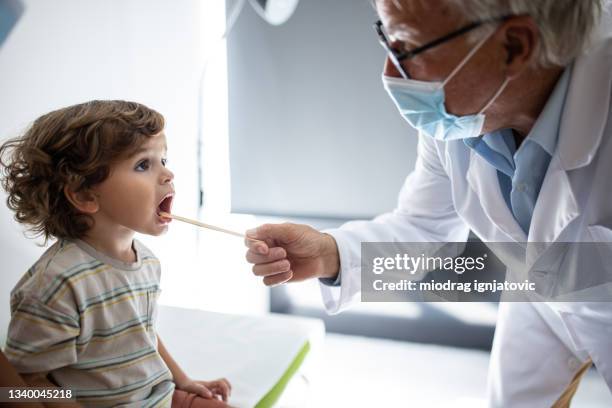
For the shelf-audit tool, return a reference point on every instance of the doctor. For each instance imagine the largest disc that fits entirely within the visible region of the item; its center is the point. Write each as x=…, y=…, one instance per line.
x=512, y=102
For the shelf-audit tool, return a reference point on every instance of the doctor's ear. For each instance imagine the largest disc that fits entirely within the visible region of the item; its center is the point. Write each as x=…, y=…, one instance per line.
x=521, y=38
x=84, y=200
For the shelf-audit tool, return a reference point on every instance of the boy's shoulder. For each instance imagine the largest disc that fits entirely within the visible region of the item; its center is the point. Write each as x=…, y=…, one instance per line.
x=67, y=262
x=52, y=270
x=59, y=261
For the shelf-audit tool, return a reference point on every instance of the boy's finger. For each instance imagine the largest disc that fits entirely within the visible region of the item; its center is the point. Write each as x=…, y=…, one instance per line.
x=229, y=386
x=219, y=393
x=226, y=382
x=202, y=391
x=222, y=389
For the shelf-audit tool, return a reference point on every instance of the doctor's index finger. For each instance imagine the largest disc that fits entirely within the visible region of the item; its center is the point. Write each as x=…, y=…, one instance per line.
x=273, y=254
x=266, y=236
x=256, y=245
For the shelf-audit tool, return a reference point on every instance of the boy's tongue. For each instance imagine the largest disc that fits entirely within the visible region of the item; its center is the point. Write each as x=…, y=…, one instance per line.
x=165, y=205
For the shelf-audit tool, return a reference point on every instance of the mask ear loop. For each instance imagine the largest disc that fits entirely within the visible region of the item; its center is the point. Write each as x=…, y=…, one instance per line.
x=467, y=58
x=499, y=91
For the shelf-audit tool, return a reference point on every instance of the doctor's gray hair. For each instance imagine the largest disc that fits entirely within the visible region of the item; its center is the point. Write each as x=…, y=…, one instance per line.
x=566, y=26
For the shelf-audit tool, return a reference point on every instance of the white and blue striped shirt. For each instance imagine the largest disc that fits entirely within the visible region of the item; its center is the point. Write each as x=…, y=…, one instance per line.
x=88, y=320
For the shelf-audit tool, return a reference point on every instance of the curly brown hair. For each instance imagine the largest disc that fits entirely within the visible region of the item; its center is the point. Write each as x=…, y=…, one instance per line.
x=75, y=147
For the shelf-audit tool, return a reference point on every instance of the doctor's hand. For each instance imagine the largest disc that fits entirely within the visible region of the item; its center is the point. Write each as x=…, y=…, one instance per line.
x=291, y=253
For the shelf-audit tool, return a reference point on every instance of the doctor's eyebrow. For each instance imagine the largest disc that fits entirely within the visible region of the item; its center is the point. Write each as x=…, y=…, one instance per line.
x=404, y=33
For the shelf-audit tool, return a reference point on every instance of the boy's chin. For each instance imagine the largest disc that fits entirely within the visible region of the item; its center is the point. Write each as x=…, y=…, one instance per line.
x=155, y=230
x=160, y=230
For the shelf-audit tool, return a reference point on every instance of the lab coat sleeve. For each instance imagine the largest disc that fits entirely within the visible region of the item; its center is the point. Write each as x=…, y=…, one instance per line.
x=425, y=213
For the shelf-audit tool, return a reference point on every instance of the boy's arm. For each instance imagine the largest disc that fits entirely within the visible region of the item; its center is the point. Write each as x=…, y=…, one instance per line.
x=180, y=378
x=205, y=389
x=50, y=328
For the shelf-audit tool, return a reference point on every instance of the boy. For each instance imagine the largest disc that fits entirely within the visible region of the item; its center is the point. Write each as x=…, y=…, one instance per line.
x=90, y=176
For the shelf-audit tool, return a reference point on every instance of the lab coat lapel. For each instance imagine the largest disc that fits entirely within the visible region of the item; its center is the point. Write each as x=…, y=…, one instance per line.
x=482, y=178
x=584, y=117
x=587, y=107
x=556, y=206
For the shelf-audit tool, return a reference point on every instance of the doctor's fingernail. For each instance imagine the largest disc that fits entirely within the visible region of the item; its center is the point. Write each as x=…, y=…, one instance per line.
x=252, y=232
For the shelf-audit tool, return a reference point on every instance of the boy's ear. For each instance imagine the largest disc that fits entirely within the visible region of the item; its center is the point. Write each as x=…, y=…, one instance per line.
x=86, y=201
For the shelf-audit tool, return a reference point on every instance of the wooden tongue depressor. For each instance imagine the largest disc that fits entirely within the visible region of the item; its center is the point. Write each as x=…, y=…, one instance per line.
x=203, y=225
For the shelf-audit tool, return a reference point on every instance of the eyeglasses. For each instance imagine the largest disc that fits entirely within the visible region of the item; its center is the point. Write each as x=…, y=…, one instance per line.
x=397, y=56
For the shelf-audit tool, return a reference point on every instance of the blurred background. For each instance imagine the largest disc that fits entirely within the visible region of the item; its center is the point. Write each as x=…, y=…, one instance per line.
x=266, y=124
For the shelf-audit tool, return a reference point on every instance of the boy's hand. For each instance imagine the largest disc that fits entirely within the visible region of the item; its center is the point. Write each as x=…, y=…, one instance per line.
x=207, y=389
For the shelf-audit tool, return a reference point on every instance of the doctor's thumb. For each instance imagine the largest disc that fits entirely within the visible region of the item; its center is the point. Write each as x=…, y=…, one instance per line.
x=281, y=233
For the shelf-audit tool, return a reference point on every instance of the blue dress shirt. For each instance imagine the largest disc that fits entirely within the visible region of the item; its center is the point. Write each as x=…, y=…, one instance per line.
x=521, y=171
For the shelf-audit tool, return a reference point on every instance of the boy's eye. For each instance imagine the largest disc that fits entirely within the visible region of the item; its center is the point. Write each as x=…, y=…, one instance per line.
x=142, y=165
x=164, y=161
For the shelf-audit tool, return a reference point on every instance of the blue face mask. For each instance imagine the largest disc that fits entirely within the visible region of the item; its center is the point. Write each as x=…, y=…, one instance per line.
x=421, y=103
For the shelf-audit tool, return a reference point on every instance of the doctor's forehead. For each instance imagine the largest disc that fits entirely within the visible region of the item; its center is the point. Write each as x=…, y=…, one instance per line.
x=408, y=20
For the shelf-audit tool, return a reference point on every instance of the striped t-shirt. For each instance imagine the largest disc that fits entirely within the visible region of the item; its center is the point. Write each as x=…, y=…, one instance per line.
x=88, y=320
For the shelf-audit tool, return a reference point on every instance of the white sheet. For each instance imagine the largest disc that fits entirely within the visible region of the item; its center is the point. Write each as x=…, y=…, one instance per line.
x=252, y=352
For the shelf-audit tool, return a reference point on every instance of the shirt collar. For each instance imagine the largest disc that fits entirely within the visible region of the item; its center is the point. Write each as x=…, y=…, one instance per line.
x=545, y=131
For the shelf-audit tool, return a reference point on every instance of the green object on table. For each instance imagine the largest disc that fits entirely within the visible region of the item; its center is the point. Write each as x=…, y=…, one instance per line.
x=274, y=394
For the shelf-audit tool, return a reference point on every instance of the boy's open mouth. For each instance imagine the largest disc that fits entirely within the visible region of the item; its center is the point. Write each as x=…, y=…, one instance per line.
x=165, y=205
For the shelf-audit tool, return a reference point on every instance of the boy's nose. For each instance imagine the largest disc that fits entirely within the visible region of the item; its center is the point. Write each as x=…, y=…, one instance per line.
x=167, y=176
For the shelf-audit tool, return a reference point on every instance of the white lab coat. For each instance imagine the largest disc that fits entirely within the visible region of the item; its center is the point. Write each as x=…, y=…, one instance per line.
x=453, y=190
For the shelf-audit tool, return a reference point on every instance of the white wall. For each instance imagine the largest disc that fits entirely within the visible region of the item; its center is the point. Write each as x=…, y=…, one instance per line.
x=312, y=131
x=63, y=52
